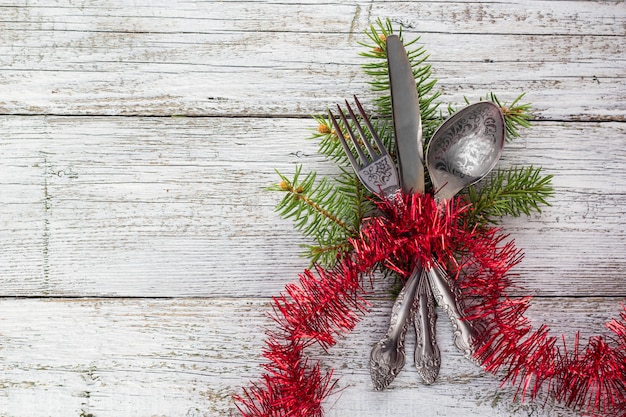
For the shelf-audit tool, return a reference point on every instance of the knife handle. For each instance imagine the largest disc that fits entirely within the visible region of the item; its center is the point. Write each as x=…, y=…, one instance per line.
x=427, y=354
x=444, y=292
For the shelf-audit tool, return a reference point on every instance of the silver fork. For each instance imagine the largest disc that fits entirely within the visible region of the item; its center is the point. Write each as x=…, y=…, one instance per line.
x=379, y=175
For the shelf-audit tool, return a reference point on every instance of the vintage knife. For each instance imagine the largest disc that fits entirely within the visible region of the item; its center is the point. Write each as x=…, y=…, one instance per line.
x=407, y=123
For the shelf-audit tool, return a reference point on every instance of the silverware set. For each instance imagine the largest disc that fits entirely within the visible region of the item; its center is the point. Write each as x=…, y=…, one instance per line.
x=464, y=149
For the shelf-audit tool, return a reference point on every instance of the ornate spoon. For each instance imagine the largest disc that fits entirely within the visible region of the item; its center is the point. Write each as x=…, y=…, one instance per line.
x=464, y=149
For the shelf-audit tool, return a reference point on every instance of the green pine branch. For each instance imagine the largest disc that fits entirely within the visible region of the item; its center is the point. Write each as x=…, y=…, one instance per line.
x=327, y=211
x=512, y=192
x=357, y=206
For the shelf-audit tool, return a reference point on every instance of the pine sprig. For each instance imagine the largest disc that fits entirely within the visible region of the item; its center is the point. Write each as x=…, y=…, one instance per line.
x=327, y=211
x=357, y=204
x=512, y=192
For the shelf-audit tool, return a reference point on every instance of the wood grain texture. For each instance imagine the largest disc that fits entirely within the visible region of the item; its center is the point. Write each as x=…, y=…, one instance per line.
x=258, y=58
x=139, y=251
x=164, y=206
x=185, y=357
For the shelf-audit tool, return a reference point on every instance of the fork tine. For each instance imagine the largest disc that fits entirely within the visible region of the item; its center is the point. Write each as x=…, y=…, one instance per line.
x=344, y=144
x=368, y=145
x=379, y=143
x=359, y=151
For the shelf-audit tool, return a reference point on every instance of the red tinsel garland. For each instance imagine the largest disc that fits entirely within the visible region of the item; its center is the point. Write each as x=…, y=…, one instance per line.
x=327, y=303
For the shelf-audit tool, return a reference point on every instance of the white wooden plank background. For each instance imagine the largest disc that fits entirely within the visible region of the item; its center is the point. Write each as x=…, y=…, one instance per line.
x=139, y=251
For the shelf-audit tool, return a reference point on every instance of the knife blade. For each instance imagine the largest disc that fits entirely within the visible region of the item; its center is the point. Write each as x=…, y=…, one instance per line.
x=407, y=122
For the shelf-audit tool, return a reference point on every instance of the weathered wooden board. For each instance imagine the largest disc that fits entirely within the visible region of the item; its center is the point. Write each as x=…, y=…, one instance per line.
x=258, y=58
x=138, y=251
x=186, y=357
x=178, y=206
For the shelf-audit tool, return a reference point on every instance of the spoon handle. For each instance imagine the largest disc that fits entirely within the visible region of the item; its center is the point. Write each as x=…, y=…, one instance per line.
x=443, y=290
x=427, y=355
x=387, y=357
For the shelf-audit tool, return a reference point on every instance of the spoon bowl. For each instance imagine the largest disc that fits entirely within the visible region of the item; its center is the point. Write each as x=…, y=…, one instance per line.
x=465, y=148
